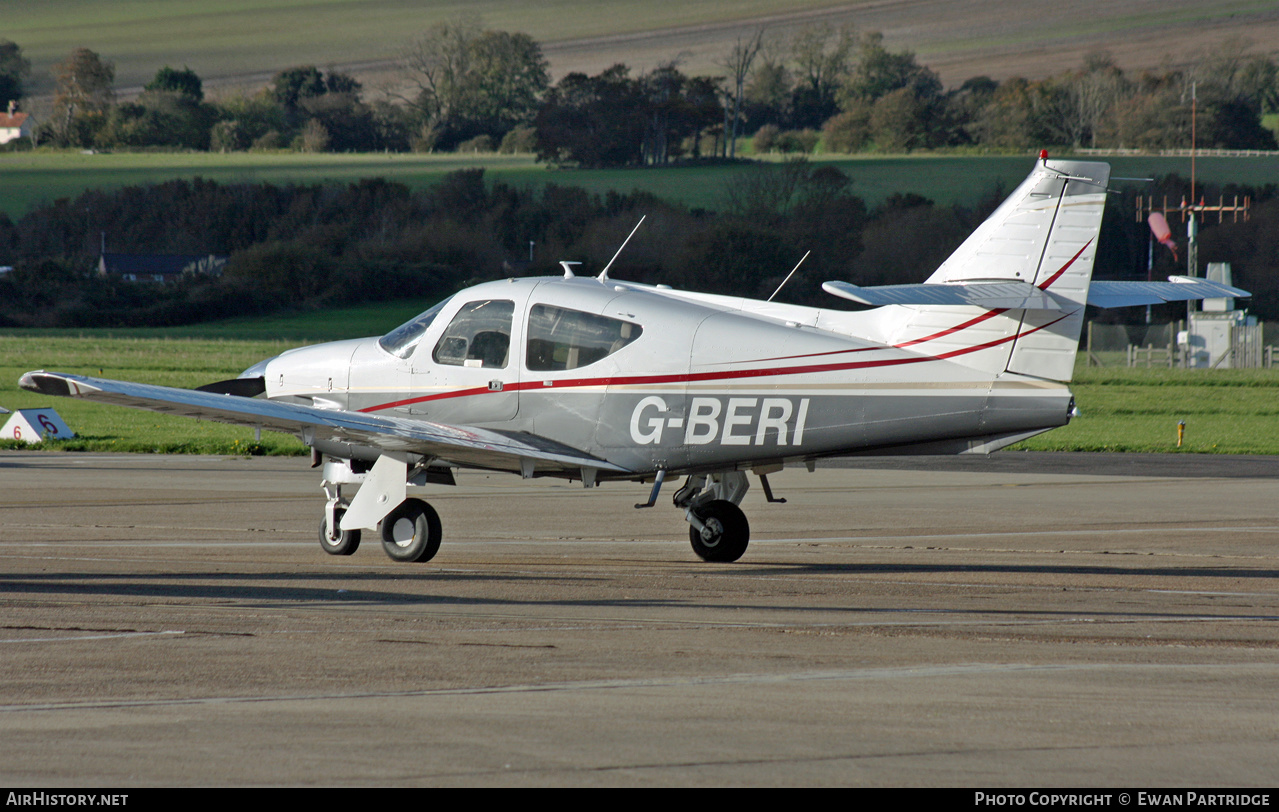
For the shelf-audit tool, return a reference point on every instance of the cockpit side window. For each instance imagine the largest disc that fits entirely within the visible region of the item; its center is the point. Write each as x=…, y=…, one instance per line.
x=560, y=339
x=401, y=341
x=478, y=336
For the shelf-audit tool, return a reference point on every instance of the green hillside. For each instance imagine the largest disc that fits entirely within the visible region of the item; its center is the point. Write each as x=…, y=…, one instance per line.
x=33, y=178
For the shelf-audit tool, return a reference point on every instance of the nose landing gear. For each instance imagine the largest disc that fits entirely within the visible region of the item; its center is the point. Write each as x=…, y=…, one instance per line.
x=335, y=541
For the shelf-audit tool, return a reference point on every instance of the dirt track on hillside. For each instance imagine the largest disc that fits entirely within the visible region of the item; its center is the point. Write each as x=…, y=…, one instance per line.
x=957, y=38
x=962, y=38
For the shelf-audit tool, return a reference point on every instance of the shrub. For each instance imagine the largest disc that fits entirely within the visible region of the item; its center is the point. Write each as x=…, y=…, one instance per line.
x=765, y=138
x=847, y=132
x=480, y=143
x=521, y=140
x=801, y=141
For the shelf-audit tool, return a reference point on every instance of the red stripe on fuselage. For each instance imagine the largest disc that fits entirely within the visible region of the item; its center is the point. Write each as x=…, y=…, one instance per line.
x=762, y=373
x=694, y=377
x=805, y=355
x=990, y=314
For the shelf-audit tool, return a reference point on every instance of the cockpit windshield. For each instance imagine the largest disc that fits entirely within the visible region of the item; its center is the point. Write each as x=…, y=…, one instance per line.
x=401, y=341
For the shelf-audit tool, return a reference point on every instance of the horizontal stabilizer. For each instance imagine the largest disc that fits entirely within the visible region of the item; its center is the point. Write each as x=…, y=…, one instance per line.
x=1179, y=289
x=1001, y=295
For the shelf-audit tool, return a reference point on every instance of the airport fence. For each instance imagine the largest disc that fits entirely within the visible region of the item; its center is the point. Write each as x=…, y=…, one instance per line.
x=1155, y=345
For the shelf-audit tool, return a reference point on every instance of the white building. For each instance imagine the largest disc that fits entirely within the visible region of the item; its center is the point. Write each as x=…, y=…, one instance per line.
x=14, y=125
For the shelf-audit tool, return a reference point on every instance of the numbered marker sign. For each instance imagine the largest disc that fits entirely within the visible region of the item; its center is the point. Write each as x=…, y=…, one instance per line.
x=34, y=425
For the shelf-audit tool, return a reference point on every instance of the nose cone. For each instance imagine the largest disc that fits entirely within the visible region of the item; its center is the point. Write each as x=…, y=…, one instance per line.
x=258, y=370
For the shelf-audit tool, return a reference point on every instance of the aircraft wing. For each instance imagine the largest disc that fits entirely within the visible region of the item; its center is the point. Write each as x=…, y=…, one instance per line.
x=1178, y=289
x=1008, y=295
x=460, y=445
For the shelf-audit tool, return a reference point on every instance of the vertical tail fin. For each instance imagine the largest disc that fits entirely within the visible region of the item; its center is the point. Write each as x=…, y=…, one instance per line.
x=1044, y=234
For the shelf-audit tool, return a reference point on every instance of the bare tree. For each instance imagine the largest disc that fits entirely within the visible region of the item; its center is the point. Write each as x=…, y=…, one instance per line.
x=738, y=64
x=1083, y=98
x=436, y=61
x=84, y=88
x=472, y=81
x=823, y=59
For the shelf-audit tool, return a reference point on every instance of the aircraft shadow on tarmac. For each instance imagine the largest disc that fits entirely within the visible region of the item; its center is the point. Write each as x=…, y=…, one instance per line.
x=279, y=588
x=1016, y=569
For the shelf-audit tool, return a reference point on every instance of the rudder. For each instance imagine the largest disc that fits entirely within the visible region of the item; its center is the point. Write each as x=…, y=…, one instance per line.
x=1044, y=235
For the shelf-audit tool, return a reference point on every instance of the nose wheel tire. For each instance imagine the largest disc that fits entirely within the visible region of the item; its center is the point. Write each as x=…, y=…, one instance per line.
x=412, y=532
x=344, y=542
x=726, y=533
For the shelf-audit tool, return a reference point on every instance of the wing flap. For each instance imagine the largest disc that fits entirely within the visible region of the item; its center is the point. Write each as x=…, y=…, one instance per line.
x=460, y=445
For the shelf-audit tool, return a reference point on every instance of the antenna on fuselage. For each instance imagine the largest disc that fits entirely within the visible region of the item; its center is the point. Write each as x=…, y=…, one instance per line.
x=789, y=275
x=567, y=265
x=603, y=277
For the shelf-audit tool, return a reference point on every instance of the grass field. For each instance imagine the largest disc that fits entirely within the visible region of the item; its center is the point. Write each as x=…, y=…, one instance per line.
x=184, y=363
x=32, y=178
x=1225, y=411
x=1233, y=411
x=185, y=357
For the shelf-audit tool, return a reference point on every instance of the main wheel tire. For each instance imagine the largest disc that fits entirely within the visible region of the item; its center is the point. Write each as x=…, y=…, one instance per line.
x=727, y=532
x=412, y=532
x=344, y=543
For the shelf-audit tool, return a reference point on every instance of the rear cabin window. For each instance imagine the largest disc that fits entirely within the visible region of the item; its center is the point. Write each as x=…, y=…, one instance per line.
x=478, y=336
x=560, y=339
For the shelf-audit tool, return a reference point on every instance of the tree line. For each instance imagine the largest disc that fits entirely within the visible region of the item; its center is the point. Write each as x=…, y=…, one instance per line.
x=301, y=247
x=467, y=88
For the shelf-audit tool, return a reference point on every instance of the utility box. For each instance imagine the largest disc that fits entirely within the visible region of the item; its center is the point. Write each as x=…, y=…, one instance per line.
x=36, y=425
x=1221, y=340
x=1218, y=336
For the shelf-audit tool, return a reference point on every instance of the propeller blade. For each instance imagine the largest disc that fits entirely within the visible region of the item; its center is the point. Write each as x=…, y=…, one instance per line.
x=240, y=387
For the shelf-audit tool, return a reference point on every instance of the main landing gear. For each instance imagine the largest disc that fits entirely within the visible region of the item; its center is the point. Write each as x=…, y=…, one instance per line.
x=718, y=529
x=411, y=532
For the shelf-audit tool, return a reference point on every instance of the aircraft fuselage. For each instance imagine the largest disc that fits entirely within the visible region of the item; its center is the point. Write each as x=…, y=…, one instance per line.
x=699, y=386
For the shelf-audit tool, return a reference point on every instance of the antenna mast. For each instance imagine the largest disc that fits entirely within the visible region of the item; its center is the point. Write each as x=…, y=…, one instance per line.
x=603, y=277
x=789, y=275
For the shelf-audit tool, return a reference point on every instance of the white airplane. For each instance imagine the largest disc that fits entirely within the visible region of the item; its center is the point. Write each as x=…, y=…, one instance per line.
x=594, y=379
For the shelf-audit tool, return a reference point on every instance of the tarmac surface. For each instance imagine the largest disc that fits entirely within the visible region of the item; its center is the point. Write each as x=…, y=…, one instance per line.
x=1028, y=620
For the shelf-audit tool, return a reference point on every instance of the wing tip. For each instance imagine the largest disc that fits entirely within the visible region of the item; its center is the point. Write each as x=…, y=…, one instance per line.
x=57, y=384
x=44, y=383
